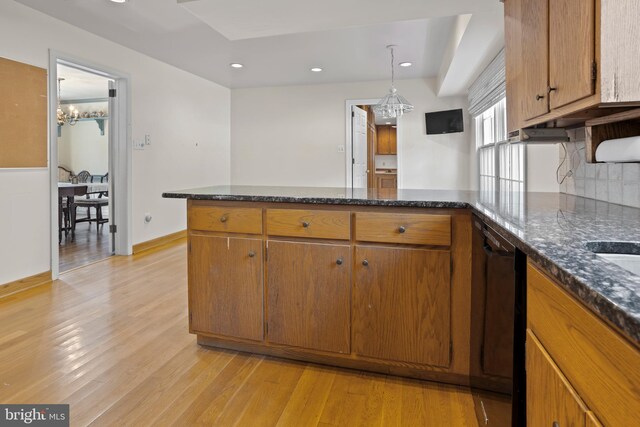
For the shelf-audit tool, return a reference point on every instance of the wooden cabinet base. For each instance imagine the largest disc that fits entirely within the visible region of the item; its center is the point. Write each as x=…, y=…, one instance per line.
x=369, y=288
x=401, y=369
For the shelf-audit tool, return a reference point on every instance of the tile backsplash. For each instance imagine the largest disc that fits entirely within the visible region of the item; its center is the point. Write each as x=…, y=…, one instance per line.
x=611, y=182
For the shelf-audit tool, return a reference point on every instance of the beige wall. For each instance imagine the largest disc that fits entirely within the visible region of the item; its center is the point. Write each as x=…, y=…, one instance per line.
x=187, y=117
x=81, y=147
x=290, y=136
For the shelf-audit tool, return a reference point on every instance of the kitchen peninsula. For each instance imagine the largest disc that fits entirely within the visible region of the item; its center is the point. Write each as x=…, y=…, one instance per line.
x=347, y=278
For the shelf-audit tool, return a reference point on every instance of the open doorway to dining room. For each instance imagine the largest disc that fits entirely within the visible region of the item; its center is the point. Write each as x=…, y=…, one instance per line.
x=90, y=163
x=83, y=167
x=372, y=149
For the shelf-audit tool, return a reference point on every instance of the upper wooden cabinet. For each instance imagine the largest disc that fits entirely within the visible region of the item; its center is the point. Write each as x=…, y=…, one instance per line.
x=567, y=59
x=572, y=72
x=386, y=141
x=535, y=58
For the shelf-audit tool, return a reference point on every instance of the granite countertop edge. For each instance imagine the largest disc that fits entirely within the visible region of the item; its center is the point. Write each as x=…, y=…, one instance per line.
x=579, y=288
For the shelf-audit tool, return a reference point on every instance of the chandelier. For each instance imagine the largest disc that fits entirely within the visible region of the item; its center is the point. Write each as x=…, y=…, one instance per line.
x=72, y=117
x=393, y=105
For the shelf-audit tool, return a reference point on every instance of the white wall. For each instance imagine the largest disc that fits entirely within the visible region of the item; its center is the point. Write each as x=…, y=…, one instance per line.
x=290, y=136
x=187, y=117
x=81, y=147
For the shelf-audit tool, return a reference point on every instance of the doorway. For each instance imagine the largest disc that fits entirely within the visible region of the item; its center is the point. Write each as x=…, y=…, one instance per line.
x=372, y=150
x=83, y=168
x=90, y=163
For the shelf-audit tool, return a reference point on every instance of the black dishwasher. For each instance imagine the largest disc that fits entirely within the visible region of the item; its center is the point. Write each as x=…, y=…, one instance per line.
x=498, y=325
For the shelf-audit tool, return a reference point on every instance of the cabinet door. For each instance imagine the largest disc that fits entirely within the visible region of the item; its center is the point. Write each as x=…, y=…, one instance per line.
x=513, y=62
x=225, y=286
x=551, y=401
x=571, y=50
x=401, y=304
x=308, y=287
x=383, y=140
x=393, y=140
x=535, y=58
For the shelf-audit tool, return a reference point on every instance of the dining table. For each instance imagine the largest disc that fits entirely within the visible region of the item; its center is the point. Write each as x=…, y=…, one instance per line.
x=69, y=191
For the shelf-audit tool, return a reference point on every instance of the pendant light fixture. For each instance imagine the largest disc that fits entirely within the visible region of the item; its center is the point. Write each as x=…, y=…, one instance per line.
x=72, y=117
x=392, y=105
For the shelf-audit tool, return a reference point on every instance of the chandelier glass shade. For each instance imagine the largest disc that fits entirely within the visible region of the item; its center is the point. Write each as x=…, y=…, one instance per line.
x=393, y=105
x=63, y=117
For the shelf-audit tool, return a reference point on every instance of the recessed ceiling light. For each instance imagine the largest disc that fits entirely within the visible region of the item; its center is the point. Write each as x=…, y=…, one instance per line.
x=236, y=65
x=387, y=123
x=119, y=1
x=316, y=69
x=406, y=64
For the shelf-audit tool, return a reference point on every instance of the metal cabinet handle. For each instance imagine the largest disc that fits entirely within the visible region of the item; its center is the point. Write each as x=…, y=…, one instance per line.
x=365, y=262
x=339, y=261
x=252, y=254
x=402, y=229
x=223, y=218
x=551, y=89
x=539, y=97
x=305, y=224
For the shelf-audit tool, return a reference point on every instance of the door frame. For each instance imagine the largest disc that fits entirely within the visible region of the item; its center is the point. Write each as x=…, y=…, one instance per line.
x=349, y=142
x=119, y=148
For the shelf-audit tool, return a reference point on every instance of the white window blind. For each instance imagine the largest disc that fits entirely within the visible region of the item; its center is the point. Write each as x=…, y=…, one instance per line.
x=489, y=87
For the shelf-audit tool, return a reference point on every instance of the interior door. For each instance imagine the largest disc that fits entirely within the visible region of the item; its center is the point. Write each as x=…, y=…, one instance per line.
x=359, y=147
x=113, y=123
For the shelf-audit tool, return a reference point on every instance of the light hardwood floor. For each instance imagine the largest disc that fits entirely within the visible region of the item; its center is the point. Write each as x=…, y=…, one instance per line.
x=111, y=340
x=85, y=246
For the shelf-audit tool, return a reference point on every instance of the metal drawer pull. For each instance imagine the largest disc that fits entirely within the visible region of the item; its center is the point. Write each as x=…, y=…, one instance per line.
x=402, y=229
x=539, y=97
x=365, y=262
x=339, y=261
x=223, y=218
x=305, y=224
x=252, y=254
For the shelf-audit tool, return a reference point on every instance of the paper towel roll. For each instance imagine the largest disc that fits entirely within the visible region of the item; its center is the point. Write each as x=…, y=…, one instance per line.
x=619, y=150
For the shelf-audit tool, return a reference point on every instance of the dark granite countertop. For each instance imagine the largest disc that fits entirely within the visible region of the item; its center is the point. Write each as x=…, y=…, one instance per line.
x=552, y=229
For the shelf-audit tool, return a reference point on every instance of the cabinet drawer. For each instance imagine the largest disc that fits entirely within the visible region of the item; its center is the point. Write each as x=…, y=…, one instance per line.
x=309, y=223
x=225, y=219
x=416, y=229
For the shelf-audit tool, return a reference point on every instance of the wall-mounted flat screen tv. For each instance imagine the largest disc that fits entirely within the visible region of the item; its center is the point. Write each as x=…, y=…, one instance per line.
x=440, y=122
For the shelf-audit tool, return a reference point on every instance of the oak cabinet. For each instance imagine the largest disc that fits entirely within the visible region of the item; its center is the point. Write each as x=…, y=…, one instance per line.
x=290, y=280
x=551, y=401
x=571, y=51
x=557, y=53
x=225, y=286
x=386, y=140
x=384, y=181
x=535, y=57
x=401, y=304
x=308, y=287
x=578, y=367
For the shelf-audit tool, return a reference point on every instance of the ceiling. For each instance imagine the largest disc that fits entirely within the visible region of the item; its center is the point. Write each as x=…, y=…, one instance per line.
x=278, y=41
x=78, y=84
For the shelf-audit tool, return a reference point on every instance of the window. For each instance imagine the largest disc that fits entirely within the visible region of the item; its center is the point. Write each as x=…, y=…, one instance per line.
x=501, y=165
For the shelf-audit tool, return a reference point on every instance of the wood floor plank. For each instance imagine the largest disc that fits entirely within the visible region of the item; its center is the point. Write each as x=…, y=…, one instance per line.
x=308, y=400
x=111, y=339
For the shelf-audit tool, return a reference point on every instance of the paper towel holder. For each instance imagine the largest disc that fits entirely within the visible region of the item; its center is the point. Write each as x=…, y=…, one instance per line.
x=619, y=125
